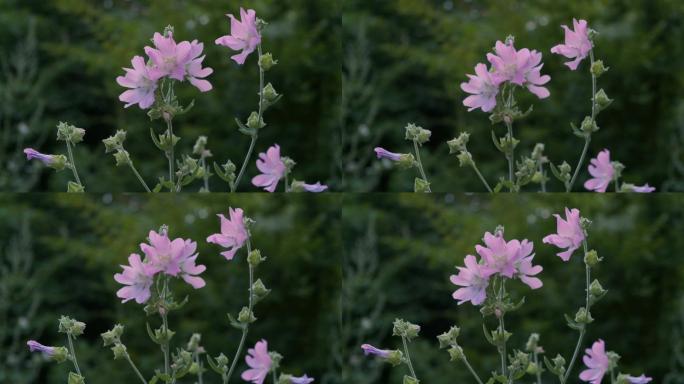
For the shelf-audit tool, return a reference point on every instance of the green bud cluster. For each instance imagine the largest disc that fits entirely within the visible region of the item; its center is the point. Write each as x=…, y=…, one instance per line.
x=417, y=134
x=404, y=329
x=70, y=326
x=69, y=133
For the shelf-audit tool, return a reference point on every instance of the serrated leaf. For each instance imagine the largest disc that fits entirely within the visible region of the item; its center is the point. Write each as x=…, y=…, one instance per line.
x=245, y=129
x=488, y=335
x=571, y=323
x=151, y=334
x=155, y=139
x=496, y=142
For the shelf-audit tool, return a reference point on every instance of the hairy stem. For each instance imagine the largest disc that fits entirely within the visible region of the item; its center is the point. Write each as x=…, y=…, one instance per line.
x=137, y=174
x=536, y=363
x=72, y=163
x=137, y=372
x=583, y=330
x=594, y=111
x=408, y=358
x=170, y=153
x=502, y=328
x=472, y=371
x=72, y=352
x=477, y=171
x=510, y=156
x=165, y=346
x=420, y=165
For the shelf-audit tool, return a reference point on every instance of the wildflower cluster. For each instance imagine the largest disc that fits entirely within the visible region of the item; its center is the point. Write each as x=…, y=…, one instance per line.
x=148, y=280
x=482, y=282
x=492, y=89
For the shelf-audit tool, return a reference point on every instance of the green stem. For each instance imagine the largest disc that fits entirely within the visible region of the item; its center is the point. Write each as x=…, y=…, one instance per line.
x=472, y=371
x=583, y=330
x=72, y=163
x=510, y=156
x=206, y=176
x=246, y=326
x=275, y=377
x=199, y=365
x=420, y=165
x=72, y=351
x=587, y=140
x=165, y=346
x=536, y=363
x=408, y=358
x=137, y=174
x=170, y=153
x=477, y=171
x=543, y=181
x=137, y=372
x=594, y=111
x=287, y=182
x=254, y=136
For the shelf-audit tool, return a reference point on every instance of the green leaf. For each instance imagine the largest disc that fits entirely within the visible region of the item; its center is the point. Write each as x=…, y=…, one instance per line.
x=151, y=334
x=488, y=335
x=244, y=129
x=496, y=142
x=155, y=139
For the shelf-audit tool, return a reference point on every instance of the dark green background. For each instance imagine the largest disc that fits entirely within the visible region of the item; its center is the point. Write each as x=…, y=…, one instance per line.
x=77, y=243
x=405, y=59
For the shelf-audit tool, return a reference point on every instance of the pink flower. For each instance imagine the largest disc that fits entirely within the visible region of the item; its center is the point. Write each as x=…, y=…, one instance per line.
x=169, y=58
x=508, y=63
x=36, y=346
x=371, y=350
x=533, y=77
x=137, y=279
x=482, y=88
x=272, y=168
x=164, y=255
x=498, y=255
x=315, y=188
x=142, y=85
x=643, y=379
x=233, y=233
x=569, y=233
x=473, y=280
x=602, y=171
x=577, y=44
x=44, y=158
x=643, y=188
x=244, y=35
x=193, y=68
x=382, y=153
x=597, y=363
x=188, y=269
x=259, y=362
x=301, y=379
x=524, y=268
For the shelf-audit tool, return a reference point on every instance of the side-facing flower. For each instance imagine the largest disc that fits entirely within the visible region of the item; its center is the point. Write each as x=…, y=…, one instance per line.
x=301, y=379
x=193, y=67
x=189, y=270
x=643, y=379
x=142, y=85
x=315, y=188
x=525, y=271
x=244, y=35
x=534, y=80
x=382, y=153
x=498, y=255
x=259, y=362
x=482, y=88
x=57, y=162
x=371, y=350
x=597, y=363
x=137, y=280
x=642, y=188
x=569, y=233
x=168, y=57
x=272, y=168
x=602, y=171
x=473, y=282
x=58, y=354
x=233, y=233
x=577, y=44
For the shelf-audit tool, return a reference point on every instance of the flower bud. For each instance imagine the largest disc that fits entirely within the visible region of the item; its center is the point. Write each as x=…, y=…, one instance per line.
x=591, y=258
x=405, y=329
x=532, y=343
x=119, y=351
x=58, y=162
x=410, y=380
x=465, y=159
x=583, y=317
x=597, y=68
x=449, y=338
x=113, y=335
x=194, y=369
x=60, y=354
x=75, y=378
x=111, y=144
x=589, y=125
x=254, y=258
x=73, y=187
x=602, y=99
x=618, y=167
x=533, y=369
x=456, y=353
x=613, y=359
x=200, y=145
x=276, y=358
x=595, y=289
x=395, y=357
x=254, y=122
x=68, y=132
x=459, y=143
x=559, y=362
x=417, y=134
x=270, y=93
x=266, y=61
x=406, y=161
x=246, y=316
x=259, y=290
x=538, y=152
x=421, y=185
x=122, y=158
x=193, y=343
x=71, y=326
x=565, y=168
x=289, y=163
x=222, y=360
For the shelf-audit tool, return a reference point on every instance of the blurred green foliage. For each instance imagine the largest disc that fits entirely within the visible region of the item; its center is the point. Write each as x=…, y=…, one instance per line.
x=82, y=46
x=78, y=243
x=404, y=61
x=420, y=240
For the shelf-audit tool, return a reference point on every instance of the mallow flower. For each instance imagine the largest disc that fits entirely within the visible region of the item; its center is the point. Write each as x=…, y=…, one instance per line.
x=371, y=350
x=272, y=169
x=315, y=188
x=534, y=80
x=142, y=85
x=193, y=67
x=525, y=271
x=577, y=44
x=508, y=64
x=244, y=35
x=642, y=188
x=168, y=57
x=483, y=91
x=259, y=362
x=57, y=162
x=569, y=233
x=597, y=362
x=301, y=379
x=233, y=233
x=602, y=171
x=643, y=379
x=35, y=346
x=382, y=153
x=137, y=280
x=498, y=255
x=165, y=255
x=473, y=280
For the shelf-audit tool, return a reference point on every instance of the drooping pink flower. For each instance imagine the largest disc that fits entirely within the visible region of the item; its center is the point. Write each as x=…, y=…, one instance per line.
x=525, y=271
x=577, y=44
x=473, y=281
x=315, y=188
x=569, y=233
x=233, y=233
x=193, y=67
x=643, y=379
x=35, y=346
x=301, y=379
x=371, y=350
x=534, y=80
x=189, y=270
x=42, y=157
x=272, y=168
x=244, y=35
x=498, y=255
x=482, y=88
x=142, y=85
x=602, y=171
x=597, y=363
x=137, y=279
x=259, y=362
x=508, y=63
x=643, y=188
x=168, y=57
x=382, y=153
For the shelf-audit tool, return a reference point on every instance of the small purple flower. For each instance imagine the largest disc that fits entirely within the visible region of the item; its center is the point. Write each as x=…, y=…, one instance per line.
x=318, y=187
x=643, y=188
x=301, y=379
x=35, y=346
x=382, y=153
x=643, y=379
x=33, y=154
x=371, y=350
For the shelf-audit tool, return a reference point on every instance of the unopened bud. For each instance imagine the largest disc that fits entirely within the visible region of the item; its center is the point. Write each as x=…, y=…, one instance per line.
x=246, y=316
x=266, y=61
x=406, y=161
x=456, y=353
x=597, y=68
x=405, y=329
x=254, y=258
x=591, y=258
x=119, y=351
x=395, y=357
x=270, y=93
